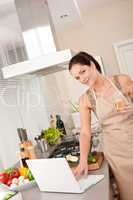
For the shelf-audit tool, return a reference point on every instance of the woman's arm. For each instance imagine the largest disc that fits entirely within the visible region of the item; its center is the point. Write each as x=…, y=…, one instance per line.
x=85, y=135
x=126, y=84
x=85, y=132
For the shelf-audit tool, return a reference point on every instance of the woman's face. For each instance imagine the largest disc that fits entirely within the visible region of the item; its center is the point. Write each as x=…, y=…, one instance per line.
x=85, y=74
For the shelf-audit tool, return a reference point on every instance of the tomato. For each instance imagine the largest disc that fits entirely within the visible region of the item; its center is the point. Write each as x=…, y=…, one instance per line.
x=4, y=177
x=14, y=173
x=9, y=182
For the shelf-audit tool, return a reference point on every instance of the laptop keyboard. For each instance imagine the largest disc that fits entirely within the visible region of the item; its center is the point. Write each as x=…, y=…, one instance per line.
x=90, y=180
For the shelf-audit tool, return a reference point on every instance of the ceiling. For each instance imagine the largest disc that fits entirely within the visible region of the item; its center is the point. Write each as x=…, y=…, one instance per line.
x=91, y=3
x=81, y=2
x=9, y=24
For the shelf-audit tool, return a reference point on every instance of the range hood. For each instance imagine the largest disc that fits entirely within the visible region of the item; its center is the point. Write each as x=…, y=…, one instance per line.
x=45, y=64
x=38, y=41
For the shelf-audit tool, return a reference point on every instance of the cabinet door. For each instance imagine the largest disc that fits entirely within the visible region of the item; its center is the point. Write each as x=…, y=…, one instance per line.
x=124, y=54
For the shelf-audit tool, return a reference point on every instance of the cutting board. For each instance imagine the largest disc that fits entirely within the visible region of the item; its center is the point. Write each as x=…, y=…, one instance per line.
x=91, y=166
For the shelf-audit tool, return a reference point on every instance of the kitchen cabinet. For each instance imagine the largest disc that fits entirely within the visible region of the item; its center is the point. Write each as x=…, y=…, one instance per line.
x=100, y=191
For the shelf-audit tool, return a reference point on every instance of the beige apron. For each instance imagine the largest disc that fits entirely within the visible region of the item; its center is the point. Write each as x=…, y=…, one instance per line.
x=117, y=139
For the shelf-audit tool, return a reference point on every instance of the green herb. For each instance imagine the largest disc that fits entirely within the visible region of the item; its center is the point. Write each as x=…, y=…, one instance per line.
x=51, y=135
x=91, y=158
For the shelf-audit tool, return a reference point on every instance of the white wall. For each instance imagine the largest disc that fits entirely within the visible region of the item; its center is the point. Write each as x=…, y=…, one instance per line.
x=32, y=108
x=102, y=27
x=21, y=105
x=57, y=90
x=9, y=121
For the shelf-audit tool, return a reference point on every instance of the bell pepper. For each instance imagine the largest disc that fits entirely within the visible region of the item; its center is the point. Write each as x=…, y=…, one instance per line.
x=23, y=171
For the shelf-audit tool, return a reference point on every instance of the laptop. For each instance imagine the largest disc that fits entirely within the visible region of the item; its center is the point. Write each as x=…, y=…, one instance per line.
x=55, y=175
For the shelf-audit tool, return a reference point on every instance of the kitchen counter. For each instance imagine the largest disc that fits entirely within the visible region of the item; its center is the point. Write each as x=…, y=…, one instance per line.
x=18, y=196
x=100, y=191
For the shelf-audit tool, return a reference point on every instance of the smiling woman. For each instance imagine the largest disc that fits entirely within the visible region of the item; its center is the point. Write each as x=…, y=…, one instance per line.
x=84, y=59
x=110, y=98
x=82, y=67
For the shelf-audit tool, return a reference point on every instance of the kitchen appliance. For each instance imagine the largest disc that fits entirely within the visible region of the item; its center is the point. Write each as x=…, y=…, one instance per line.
x=44, y=64
x=55, y=175
x=65, y=148
x=38, y=43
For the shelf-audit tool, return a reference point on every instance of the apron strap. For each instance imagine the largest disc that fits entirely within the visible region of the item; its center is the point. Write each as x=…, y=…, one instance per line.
x=117, y=84
x=92, y=101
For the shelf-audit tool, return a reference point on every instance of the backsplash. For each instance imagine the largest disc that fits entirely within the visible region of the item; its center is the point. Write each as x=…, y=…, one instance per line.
x=58, y=89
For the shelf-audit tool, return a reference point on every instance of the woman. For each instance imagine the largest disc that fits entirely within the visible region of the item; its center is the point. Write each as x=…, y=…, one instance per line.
x=111, y=100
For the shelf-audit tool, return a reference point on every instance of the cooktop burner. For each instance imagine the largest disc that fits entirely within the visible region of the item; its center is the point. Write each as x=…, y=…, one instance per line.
x=65, y=148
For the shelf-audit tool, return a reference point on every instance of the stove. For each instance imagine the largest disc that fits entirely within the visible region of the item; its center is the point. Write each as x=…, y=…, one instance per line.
x=65, y=148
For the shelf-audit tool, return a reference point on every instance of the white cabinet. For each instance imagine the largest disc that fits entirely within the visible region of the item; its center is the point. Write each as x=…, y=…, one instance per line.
x=124, y=54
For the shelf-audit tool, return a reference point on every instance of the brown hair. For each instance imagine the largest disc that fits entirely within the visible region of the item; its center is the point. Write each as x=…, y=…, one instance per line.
x=83, y=58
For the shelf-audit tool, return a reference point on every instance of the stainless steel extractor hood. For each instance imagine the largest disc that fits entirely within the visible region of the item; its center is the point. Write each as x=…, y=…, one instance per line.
x=41, y=49
x=45, y=64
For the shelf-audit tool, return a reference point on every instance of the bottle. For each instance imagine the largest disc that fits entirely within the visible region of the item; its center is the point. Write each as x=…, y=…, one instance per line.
x=24, y=156
x=53, y=120
x=60, y=125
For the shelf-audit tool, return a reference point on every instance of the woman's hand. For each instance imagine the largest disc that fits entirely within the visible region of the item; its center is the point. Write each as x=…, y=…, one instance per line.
x=81, y=169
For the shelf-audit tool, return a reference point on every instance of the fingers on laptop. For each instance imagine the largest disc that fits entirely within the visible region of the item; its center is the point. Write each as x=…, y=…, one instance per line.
x=78, y=172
